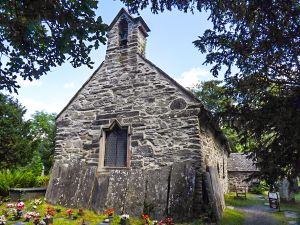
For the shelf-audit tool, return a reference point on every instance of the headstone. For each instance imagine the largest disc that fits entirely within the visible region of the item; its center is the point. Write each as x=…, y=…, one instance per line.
x=286, y=191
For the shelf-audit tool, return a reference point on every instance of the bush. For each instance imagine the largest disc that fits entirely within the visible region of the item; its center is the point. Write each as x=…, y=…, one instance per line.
x=259, y=188
x=42, y=181
x=19, y=178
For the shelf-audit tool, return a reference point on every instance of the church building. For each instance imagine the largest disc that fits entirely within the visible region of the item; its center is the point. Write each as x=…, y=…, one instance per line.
x=135, y=140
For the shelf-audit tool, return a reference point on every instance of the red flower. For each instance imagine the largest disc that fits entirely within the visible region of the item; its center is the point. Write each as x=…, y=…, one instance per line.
x=69, y=211
x=50, y=211
x=109, y=212
x=166, y=221
x=20, y=206
x=146, y=217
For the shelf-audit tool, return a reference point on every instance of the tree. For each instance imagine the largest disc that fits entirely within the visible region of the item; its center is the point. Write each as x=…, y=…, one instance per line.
x=212, y=95
x=259, y=41
x=36, y=35
x=42, y=128
x=15, y=138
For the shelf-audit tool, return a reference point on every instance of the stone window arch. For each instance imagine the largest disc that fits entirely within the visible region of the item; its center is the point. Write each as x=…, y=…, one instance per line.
x=123, y=32
x=114, y=146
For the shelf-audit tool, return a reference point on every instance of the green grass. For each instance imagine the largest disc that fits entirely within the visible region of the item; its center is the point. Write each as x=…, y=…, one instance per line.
x=294, y=207
x=279, y=216
x=194, y=222
x=60, y=218
x=232, y=217
x=232, y=200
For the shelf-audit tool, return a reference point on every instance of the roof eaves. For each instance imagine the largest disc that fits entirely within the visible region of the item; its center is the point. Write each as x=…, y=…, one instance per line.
x=117, y=17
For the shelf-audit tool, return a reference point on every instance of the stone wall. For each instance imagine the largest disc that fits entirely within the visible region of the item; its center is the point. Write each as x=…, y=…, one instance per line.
x=214, y=153
x=167, y=191
x=165, y=130
x=237, y=178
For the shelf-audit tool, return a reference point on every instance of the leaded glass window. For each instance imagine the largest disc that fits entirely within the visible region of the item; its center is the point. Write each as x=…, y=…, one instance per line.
x=116, y=147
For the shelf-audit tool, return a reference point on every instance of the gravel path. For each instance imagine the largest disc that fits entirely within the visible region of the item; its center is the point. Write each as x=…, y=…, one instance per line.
x=258, y=215
x=262, y=214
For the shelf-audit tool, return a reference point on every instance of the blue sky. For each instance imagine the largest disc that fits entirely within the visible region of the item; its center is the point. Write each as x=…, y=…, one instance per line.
x=169, y=46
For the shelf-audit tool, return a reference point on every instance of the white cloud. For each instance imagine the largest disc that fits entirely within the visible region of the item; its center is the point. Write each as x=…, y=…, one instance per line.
x=33, y=105
x=28, y=83
x=190, y=78
x=69, y=85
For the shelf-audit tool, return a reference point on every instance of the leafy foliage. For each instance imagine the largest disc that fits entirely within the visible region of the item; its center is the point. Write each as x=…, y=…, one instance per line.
x=15, y=178
x=36, y=35
x=15, y=138
x=258, y=45
x=20, y=178
x=42, y=128
x=212, y=95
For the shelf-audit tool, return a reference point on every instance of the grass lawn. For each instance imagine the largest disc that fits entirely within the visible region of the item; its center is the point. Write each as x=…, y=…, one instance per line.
x=293, y=207
x=232, y=217
x=252, y=199
x=232, y=214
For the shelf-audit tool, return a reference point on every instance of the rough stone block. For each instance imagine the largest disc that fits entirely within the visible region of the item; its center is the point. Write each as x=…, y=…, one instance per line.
x=117, y=190
x=156, y=199
x=135, y=195
x=182, y=187
x=98, y=197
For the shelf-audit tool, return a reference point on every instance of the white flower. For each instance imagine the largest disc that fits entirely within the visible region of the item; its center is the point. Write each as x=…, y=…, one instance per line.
x=125, y=217
x=154, y=222
x=9, y=205
x=2, y=220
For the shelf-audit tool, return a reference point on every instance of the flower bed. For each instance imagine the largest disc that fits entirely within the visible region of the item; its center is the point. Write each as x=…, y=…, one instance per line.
x=40, y=213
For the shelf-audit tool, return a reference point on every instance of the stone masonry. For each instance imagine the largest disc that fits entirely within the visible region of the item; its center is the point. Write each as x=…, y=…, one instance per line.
x=172, y=138
x=240, y=168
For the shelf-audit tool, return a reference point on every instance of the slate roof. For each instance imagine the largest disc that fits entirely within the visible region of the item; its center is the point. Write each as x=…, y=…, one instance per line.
x=240, y=162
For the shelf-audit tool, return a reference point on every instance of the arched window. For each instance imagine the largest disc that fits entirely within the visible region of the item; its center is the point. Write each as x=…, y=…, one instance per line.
x=123, y=32
x=116, y=147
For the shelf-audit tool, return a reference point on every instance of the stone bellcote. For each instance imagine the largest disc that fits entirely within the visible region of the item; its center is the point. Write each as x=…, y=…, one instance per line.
x=126, y=37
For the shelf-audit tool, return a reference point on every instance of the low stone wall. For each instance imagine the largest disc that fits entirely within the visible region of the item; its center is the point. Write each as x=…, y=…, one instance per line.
x=26, y=193
x=169, y=190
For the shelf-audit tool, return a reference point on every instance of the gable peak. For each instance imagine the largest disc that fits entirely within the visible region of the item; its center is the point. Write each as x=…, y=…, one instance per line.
x=123, y=13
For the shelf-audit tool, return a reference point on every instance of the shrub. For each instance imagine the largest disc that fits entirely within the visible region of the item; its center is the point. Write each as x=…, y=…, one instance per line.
x=259, y=188
x=19, y=178
x=42, y=181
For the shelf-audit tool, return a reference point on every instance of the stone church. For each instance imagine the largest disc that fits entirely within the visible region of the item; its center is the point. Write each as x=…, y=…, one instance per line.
x=135, y=140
